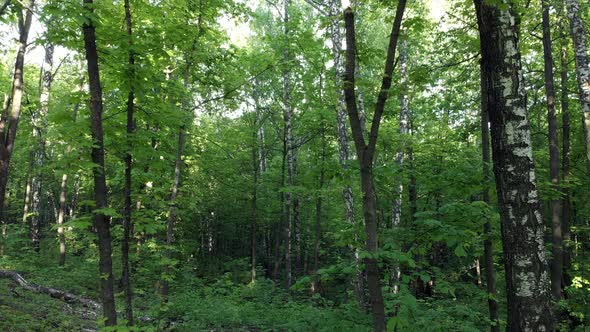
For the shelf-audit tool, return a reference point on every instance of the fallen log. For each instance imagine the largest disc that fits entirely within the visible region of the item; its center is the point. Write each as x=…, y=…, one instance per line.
x=55, y=293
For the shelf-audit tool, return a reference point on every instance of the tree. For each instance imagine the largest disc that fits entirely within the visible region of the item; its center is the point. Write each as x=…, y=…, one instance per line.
x=487, y=227
x=565, y=161
x=557, y=254
x=101, y=219
x=35, y=195
x=366, y=151
x=288, y=118
x=9, y=121
x=527, y=279
x=578, y=33
x=128, y=168
x=331, y=11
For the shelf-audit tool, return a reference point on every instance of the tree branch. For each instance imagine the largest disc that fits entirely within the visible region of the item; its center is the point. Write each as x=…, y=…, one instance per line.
x=387, y=77
x=317, y=7
x=349, y=84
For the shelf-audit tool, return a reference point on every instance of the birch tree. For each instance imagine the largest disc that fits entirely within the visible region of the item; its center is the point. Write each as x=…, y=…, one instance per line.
x=578, y=32
x=527, y=278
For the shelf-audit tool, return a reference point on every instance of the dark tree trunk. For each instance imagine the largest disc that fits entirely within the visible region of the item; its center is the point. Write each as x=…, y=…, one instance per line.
x=557, y=254
x=527, y=280
x=127, y=222
x=334, y=8
x=9, y=123
x=366, y=151
x=488, y=255
x=101, y=221
x=565, y=121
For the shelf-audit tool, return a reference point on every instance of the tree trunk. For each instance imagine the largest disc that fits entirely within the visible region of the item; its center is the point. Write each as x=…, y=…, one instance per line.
x=318, y=217
x=254, y=211
x=39, y=122
x=256, y=163
x=565, y=120
x=27, y=201
x=172, y=212
x=281, y=227
x=582, y=69
x=127, y=222
x=557, y=252
x=488, y=248
x=75, y=197
x=342, y=135
x=101, y=221
x=287, y=114
x=63, y=192
x=60, y=219
x=297, y=232
x=9, y=124
x=527, y=281
x=366, y=151
x=404, y=130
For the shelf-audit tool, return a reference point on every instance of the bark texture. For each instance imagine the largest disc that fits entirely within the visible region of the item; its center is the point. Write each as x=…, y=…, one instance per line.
x=101, y=221
x=527, y=280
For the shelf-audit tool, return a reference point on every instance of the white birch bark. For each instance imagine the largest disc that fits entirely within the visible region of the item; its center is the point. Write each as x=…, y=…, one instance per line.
x=582, y=68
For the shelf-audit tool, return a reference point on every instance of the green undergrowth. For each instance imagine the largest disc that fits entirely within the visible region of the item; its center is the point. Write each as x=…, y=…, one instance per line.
x=259, y=306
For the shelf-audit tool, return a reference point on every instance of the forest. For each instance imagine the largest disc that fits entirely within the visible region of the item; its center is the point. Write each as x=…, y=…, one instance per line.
x=294, y=165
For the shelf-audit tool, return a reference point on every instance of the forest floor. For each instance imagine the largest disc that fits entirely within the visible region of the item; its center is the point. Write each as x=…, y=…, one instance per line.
x=24, y=310
x=225, y=300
